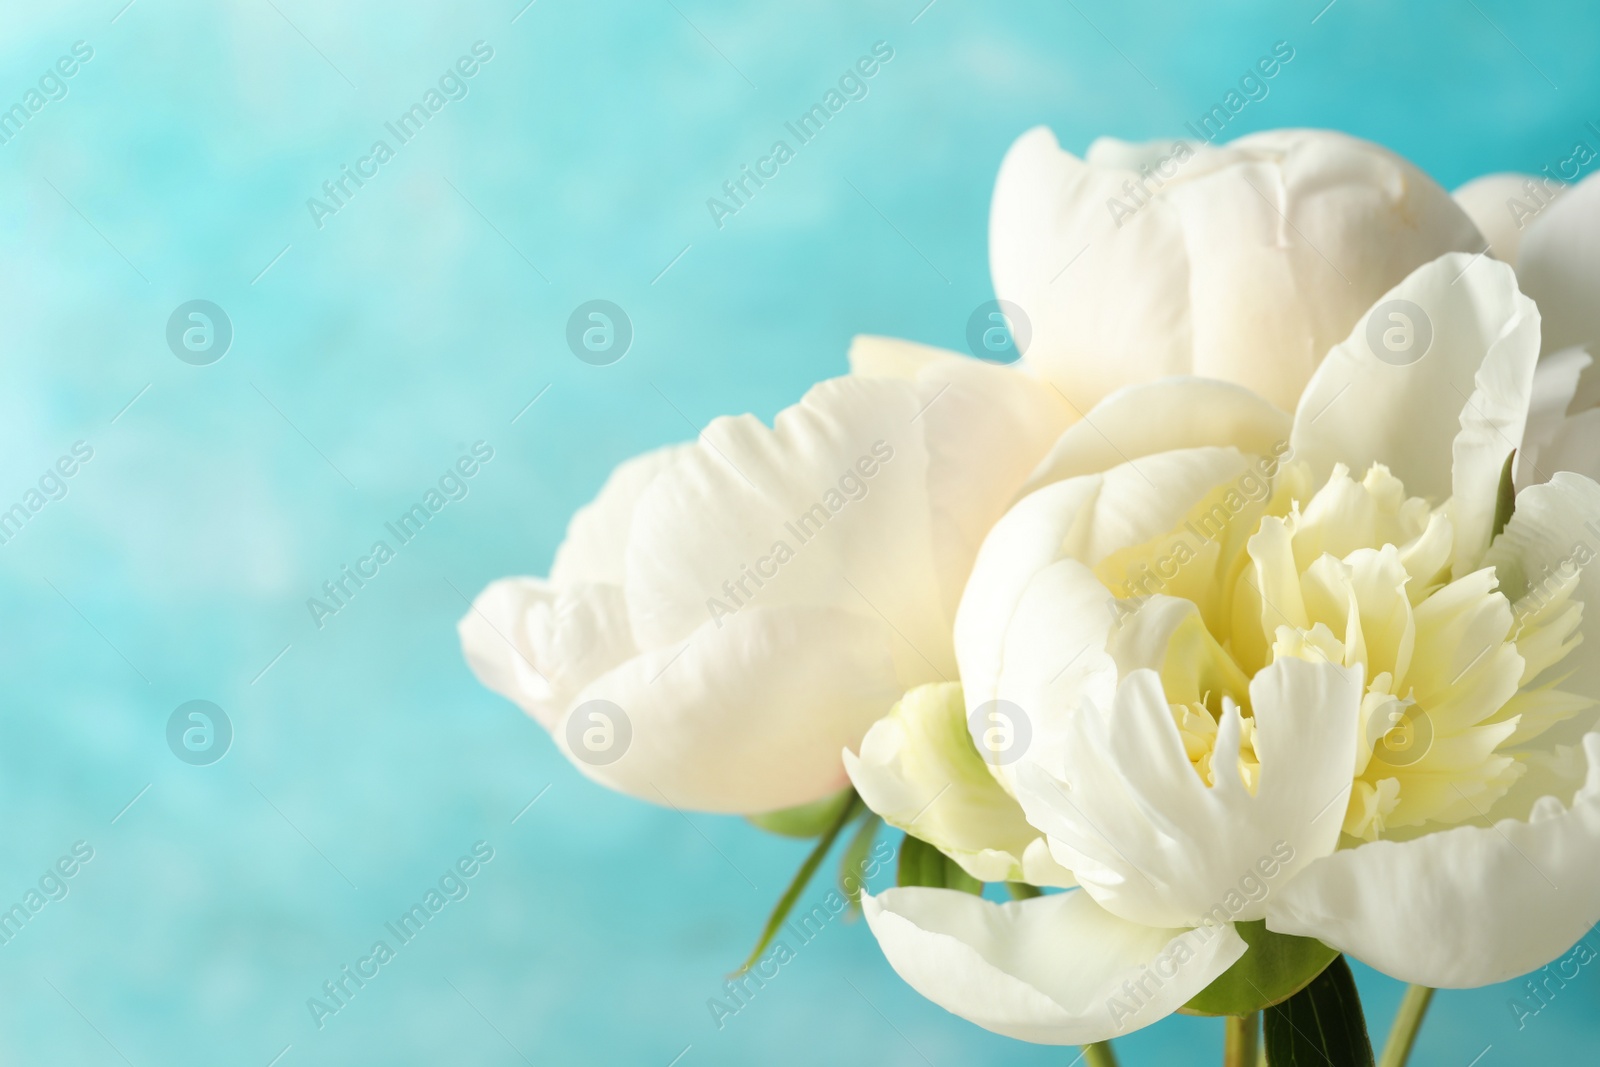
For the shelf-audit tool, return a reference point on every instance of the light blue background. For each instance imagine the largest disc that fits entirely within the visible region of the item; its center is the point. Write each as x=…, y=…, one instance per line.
x=412, y=325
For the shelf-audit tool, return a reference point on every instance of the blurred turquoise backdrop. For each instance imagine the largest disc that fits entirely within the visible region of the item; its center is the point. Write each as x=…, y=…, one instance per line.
x=424, y=316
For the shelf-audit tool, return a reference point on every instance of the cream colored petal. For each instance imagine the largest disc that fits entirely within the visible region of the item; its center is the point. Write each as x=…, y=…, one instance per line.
x=918, y=769
x=1461, y=908
x=1245, y=262
x=1445, y=421
x=1164, y=416
x=1553, y=539
x=539, y=645
x=1056, y=252
x=1054, y=970
x=984, y=428
x=1339, y=222
x=1033, y=622
x=743, y=718
x=1023, y=544
x=1555, y=383
x=870, y=496
x=1117, y=154
x=1155, y=844
x=1575, y=446
x=597, y=537
x=1500, y=206
x=758, y=517
x=1559, y=264
x=872, y=356
x=1054, y=656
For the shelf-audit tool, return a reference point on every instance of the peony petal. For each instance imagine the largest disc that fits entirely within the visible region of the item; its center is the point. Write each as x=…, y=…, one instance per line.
x=918, y=769
x=1054, y=657
x=747, y=717
x=597, y=537
x=1033, y=622
x=1023, y=544
x=1055, y=970
x=800, y=555
x=539, y=645
x=984, y=427
x=1049, y=209
x=758, y=517
x=1555, y=383
x=1553, y=536
x=1244, y=262
x=1463, y=907
x=872, y=356
x=1155, y=844
x=1575, y=446
x=870, y=496
x=1445, y=421
x=1117, y=154
x=1558, y=265
x=1341, y=220
x=1499, y=206
x=1163, y=416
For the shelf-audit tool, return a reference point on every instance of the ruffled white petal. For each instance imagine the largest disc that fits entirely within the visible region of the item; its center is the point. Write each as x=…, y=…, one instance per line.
x=1464, y=907
x=872, y=356
x=1554, y=538
x=1155, y=844
x=1055, y=970
x=1575, y=446
x=539, y=644
x=1444, y=422
x=785, y=516
x=1559, y=263
x=1245, y=262
x=597, y=537
x=1163, y=416
x=876, y=500
x=983, y=426
x=747, y=717
x=1555, y=382
x=1034, y=620
x=1498, y=205
x=1024, y=545
x=1048, y=212
x=782, y=565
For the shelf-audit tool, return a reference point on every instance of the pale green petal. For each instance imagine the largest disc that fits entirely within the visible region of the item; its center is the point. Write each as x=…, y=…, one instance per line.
x=919, y=769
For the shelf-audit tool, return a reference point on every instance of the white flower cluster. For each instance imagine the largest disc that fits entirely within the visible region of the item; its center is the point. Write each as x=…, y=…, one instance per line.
x=1274, y=547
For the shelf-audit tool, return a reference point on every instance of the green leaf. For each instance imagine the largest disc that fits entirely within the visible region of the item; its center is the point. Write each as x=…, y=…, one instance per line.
x=1023, y=891
x=1274, y=968
x=854, y=863
x=801, y=877
x=1506, y=503
x=1320, y=1026
x=806, y=820
x=922, y=864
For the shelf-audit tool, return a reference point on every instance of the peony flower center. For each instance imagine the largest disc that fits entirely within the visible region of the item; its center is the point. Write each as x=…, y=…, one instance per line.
x=1357, y=573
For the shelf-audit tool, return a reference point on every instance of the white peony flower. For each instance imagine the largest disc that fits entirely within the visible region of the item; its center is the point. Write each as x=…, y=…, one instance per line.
x=1245, y=262
x=1282, y=684
x=728, y=615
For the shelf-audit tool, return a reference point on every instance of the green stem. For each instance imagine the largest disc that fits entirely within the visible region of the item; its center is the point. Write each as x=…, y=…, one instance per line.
x=1239, y=1040
x=1407, y=1021
x=851, y=809
x=1099, y=1054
